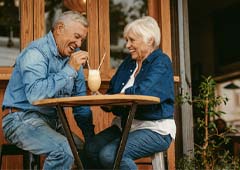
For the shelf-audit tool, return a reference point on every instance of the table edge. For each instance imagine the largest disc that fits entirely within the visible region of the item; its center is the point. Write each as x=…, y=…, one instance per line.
x=122, y=98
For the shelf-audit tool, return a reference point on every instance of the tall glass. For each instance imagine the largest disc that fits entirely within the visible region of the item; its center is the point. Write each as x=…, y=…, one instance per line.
x=94, y=80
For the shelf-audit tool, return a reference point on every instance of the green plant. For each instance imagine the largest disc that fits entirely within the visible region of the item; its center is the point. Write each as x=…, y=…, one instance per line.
x=210, y=141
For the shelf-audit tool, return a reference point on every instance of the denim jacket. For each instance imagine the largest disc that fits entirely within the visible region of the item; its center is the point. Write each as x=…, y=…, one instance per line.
x=154, y=79
x=40, y=72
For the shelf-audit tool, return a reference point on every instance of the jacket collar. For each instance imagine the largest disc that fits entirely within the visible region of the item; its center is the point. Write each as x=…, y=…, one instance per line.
x=153, y=55
x=52, y=44
x=156, y=53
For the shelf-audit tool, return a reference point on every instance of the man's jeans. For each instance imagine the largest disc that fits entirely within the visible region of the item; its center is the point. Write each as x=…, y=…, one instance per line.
x=101, y=150
x=39, y=134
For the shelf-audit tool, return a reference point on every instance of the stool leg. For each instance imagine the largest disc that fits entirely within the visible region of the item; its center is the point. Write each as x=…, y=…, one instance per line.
x=1, y=158
x=35, y=162
x=31, y=161
x=26, y=160
x=158, y=161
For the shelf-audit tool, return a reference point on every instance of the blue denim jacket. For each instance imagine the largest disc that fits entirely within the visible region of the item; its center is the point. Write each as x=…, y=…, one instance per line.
x=40, y=72
x=154, y=79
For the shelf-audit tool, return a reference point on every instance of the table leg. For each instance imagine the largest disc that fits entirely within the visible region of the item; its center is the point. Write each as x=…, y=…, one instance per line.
x=69, y=136
x=125, y=136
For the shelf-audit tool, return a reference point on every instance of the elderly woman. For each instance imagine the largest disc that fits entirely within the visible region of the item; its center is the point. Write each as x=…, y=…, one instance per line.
x=146, y=71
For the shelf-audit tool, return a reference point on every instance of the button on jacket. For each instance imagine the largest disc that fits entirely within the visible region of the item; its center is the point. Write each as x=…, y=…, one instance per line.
x=154, y=79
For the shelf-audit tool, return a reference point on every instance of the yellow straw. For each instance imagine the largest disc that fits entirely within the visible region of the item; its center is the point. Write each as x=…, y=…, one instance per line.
x=88, y=64
x=102, y=61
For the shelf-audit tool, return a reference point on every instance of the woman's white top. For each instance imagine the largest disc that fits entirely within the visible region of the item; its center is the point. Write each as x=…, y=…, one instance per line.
x=163, y=126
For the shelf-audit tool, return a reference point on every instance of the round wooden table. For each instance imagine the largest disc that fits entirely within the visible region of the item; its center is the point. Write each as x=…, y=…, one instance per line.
x=98, y=100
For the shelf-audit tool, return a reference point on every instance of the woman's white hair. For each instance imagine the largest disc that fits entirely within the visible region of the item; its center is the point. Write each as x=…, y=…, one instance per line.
x=71, y=16
x=146, y=27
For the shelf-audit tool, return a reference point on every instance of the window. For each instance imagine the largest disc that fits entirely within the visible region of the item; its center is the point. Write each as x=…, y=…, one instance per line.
x=9, y=32
x=123, y=12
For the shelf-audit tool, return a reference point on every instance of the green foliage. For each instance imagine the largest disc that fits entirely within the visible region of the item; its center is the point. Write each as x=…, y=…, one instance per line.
x=211, y=142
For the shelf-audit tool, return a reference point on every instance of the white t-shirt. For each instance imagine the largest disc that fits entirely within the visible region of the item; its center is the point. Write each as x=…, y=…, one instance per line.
x=163, y=126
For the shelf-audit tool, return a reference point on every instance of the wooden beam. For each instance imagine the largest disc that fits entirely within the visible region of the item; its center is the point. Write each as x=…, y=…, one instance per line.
x=227, y=77
x=38, y=19
x=160, y=10
x=26, y=25
x=165, y=24
x=93, y=33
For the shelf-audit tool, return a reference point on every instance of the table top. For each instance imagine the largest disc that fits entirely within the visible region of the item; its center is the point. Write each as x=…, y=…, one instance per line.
x=97, y=100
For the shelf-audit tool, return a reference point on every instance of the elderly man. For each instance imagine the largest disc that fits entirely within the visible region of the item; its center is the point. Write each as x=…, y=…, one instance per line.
x=48, y=67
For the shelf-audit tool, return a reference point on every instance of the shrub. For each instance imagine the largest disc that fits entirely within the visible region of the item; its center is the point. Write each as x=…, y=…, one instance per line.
x=211, y=141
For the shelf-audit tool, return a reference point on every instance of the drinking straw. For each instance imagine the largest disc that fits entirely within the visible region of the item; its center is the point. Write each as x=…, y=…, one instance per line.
x=88, y=64
x=102, y=61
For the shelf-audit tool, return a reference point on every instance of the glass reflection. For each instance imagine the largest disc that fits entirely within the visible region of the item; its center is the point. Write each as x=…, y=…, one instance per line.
x=9, y=32
x=122, y=11
x=53, y=8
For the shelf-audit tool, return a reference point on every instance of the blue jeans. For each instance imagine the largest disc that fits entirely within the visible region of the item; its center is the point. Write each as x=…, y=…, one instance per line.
x=102, y=148
x=41, y=135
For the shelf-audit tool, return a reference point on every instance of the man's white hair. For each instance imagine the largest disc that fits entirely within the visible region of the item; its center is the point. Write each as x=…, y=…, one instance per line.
x=71, y=16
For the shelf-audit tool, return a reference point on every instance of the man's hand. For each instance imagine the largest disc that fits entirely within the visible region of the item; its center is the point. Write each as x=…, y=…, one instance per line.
x=77, y=59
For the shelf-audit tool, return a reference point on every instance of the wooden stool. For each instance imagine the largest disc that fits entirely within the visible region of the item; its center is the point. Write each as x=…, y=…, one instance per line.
x=30, y=161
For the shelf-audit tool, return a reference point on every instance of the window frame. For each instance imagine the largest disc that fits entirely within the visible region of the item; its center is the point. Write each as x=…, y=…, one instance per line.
x=32, y=25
